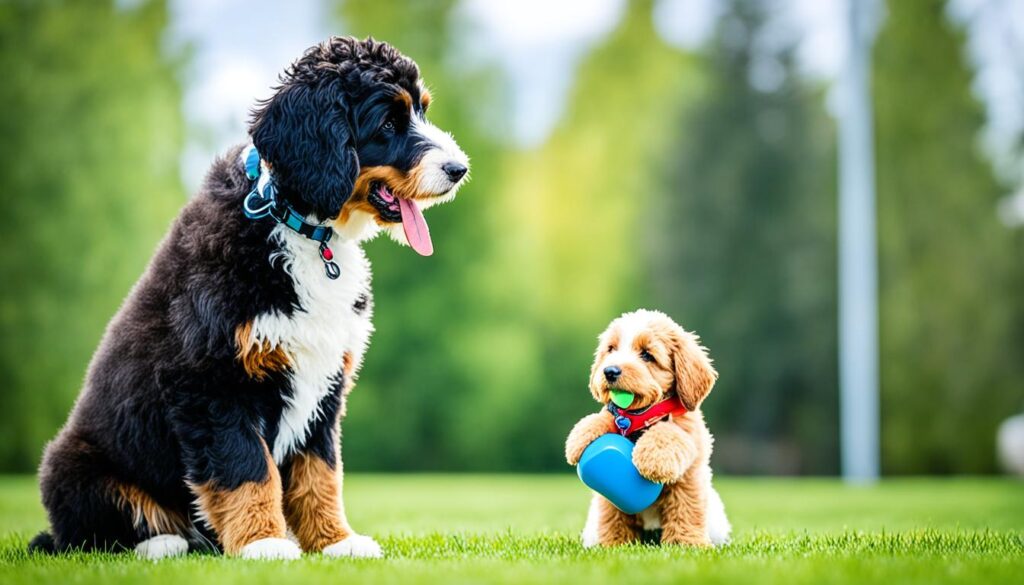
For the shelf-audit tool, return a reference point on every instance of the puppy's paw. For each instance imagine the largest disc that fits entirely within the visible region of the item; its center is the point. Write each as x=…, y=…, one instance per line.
x=590, y=538
x=271, y=549
x=356, y=546
x=583, y=434
x=694, y=540
x=573, y=451
x=162, y=546
x=656, y=463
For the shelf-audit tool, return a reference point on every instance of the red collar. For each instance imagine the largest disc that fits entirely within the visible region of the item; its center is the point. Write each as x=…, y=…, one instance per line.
x=627, y=422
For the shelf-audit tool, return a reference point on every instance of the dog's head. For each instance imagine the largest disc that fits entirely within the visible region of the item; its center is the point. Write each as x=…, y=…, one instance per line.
x=647, y=354
x=347, y=138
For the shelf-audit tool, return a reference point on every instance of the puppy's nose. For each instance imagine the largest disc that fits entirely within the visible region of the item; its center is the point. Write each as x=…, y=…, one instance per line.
x=612, y=373
x=454, y=170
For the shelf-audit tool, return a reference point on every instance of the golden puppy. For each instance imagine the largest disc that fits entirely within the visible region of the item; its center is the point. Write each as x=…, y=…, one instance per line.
x=648, y=354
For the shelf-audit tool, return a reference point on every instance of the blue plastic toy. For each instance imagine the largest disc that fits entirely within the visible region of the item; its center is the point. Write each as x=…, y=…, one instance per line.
x=606, y=467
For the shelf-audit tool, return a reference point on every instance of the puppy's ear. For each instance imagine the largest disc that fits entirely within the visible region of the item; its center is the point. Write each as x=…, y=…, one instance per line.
x=692, y=367
x=303, y=131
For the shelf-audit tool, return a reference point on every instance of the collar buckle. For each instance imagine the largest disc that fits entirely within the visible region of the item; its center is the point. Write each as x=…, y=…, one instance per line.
x=258, y=205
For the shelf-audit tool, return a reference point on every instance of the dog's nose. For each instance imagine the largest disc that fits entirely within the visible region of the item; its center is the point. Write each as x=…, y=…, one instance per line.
x=612, y=373
x=454, y=170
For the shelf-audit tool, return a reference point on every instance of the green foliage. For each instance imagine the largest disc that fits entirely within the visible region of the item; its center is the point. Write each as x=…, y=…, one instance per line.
x=419, y=363
x=669, y=182
x=92, y=133
x=483, y=351
x=949, y=271
x=745, y=254
x=524, y=529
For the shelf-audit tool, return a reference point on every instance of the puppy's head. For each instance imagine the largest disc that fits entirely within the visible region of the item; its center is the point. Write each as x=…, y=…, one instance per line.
x=347, y=138
x=647, y=354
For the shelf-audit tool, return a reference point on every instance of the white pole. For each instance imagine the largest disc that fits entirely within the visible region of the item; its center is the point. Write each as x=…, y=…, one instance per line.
x=858, y=263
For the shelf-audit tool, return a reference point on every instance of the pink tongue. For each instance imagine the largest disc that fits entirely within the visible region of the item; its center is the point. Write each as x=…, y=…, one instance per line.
x=415, y=227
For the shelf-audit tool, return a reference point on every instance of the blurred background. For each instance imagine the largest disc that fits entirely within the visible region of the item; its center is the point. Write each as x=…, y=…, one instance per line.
x=672, y=154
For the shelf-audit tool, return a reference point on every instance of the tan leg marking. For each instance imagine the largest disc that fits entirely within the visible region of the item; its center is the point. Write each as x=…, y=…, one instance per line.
x=312, y=503
x=251, y=512
x=147, y=513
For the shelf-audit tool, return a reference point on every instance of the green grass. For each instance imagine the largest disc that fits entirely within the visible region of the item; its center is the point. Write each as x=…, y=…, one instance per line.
x=523, y=529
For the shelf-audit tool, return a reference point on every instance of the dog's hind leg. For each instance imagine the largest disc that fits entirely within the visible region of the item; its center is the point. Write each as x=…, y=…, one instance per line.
x=614, y=527
x=81, y=500
x=684, y=510
x=718, y=527
x=162, y=546
x=165, y=529
x=590, y=537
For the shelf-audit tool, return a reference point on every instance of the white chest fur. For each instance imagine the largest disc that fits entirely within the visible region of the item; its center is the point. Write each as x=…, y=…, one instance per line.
x=318, y=334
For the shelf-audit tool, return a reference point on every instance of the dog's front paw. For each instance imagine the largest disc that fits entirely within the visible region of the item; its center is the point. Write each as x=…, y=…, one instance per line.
x=355, y=546
x=656, y=463
x=573, y=451
x=271, y=549
x=586, y=431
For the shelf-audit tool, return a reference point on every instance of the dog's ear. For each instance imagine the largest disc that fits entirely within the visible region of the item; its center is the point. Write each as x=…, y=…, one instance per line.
x=694, y=374
x=303, y=132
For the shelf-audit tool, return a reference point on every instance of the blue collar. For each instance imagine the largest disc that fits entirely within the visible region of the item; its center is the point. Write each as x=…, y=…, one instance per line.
x=262, y=202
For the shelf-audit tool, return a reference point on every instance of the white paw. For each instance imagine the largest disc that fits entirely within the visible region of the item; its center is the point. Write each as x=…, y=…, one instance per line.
x=355, y=546
x=161, y=547
x=718, y=527
x=589, y=537
x=271, y=549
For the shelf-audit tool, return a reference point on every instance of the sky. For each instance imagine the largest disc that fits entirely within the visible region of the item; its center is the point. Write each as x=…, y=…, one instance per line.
x=238, y=47
x=996, y=45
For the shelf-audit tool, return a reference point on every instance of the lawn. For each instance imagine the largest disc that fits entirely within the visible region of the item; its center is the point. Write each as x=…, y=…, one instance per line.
x=523, y=529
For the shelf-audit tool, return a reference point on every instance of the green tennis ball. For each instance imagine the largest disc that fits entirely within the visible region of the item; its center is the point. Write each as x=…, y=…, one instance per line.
x=621, y=398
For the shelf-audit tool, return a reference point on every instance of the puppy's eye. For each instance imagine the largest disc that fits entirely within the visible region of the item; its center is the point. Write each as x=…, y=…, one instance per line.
x=389, y=126
x=646, y=356
x=611, y=348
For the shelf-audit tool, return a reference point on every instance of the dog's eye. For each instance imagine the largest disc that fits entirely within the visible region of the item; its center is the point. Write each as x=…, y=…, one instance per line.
x=611, y=348
x=389, y=126
x=646, y=356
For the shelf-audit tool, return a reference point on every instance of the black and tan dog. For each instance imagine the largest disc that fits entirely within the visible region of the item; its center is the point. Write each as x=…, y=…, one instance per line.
x=210, y=413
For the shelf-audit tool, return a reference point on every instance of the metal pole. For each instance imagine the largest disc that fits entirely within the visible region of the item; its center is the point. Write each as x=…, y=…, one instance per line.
x=858, y=263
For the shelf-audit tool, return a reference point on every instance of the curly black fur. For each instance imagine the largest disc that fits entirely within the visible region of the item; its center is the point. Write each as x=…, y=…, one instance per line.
x=309, y=130
x=165, y=400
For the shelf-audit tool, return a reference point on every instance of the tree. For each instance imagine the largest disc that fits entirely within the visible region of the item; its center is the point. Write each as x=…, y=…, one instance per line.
x=483, y=351
x=951, y=340
x=417, y=366
x=92, y=134
x=745, y=255
x=571, y=217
